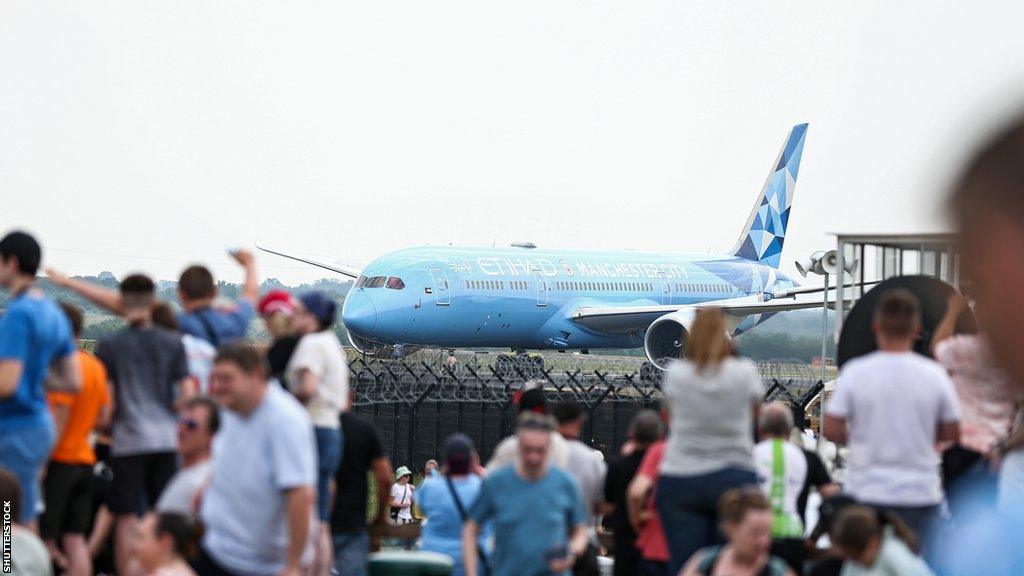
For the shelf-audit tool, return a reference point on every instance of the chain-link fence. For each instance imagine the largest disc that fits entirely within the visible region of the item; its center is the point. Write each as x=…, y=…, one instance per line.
x=416, y=405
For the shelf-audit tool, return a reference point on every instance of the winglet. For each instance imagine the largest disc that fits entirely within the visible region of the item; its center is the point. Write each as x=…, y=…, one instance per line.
x=350, y=271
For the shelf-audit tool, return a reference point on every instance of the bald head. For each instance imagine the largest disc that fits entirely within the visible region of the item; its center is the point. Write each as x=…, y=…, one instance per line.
x=776, y=420
x=645, y=429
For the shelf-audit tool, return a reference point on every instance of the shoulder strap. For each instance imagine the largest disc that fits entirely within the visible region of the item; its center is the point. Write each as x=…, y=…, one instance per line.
x=708, y=560
x=455, y=498
x=774, y=567
x=462, y=514
x=207, y=327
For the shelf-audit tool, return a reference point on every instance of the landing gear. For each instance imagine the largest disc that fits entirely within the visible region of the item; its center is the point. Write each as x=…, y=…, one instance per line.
x=519, y=365
x=505, y=366
x=649, y=372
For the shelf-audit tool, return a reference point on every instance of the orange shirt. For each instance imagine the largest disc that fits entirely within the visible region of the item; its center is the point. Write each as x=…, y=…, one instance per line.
x=83, y=410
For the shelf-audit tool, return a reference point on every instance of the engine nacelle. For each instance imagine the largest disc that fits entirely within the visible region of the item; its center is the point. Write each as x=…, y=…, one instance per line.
x=378, y=350
x=666, y=337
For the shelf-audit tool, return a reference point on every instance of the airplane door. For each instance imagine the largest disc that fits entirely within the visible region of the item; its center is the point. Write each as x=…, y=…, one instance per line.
x=542, y=292
x=666, y=292
x=442, y=290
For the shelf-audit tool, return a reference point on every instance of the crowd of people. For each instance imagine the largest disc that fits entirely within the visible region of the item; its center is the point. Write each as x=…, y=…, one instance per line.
x=177, y=447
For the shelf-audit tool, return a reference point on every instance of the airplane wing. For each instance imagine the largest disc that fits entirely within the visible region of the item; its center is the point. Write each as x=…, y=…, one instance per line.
x=790, y=292
x=343, y=269
x=623, y=319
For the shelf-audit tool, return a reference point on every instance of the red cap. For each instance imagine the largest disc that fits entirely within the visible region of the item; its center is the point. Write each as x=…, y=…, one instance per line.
x=276, y=301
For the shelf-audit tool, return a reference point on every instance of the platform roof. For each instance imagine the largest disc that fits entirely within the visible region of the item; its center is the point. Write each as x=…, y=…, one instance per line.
x=903, y=241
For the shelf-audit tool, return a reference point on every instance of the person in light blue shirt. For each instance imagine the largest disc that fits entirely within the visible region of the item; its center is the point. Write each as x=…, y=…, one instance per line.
x=258, y=509
x=536, y=509
x=872, y=547
x=37, y=352
x=442, y=532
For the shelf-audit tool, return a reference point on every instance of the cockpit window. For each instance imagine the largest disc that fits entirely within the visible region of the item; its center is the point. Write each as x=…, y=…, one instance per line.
x=361, y=281
x=375, y=281
x=395, y=283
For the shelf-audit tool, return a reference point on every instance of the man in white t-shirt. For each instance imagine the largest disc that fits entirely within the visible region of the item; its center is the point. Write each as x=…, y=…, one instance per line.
x=782, y=472
x=893, y=407
x=258, y=507
x=197, y=424
x=529, y=399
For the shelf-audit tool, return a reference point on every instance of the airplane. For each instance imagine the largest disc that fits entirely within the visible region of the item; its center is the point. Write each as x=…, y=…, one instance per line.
x=522, y=297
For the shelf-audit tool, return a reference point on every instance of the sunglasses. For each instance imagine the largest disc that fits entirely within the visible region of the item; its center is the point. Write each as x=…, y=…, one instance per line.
x=188, y=424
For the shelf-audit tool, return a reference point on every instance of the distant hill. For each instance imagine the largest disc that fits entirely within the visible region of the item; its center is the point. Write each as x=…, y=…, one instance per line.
x=100, y=323
x=789, y=335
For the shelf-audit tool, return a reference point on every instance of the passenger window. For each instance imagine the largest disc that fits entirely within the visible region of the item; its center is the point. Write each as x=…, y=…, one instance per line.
x=395, y=283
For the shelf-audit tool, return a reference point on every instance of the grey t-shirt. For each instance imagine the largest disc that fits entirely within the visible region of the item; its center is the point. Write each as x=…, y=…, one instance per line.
x=588, y=469
x=712, y=417
x=145, y=365
x=508, y=450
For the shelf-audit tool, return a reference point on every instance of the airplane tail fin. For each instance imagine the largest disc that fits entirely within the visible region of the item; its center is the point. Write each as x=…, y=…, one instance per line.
x=765, y=232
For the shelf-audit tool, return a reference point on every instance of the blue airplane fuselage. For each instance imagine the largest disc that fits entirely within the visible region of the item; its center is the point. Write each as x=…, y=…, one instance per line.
x=523, y=298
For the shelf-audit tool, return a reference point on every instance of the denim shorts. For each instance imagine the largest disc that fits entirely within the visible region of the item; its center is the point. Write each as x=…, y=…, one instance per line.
x=328, y=452
x=24, y=452
x=350, y=552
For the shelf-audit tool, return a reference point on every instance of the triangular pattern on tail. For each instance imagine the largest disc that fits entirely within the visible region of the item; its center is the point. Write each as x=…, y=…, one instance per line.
x=765, y=232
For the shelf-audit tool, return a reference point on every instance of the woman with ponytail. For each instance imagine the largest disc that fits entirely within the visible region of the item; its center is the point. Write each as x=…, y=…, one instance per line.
x=712, y=399
x=876, y=544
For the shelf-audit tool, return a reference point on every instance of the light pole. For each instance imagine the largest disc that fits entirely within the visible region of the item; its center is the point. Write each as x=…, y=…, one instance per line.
x=824, y=264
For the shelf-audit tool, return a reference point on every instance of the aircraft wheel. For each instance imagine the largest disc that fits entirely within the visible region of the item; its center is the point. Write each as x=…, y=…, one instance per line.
x=538, y=366
x=505, y=365
x=649, y=372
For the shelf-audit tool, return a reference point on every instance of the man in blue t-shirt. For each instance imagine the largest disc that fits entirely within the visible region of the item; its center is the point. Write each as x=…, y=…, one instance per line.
x=536, y=509
x=37, y=353
x=218, y=326
x=197, y=292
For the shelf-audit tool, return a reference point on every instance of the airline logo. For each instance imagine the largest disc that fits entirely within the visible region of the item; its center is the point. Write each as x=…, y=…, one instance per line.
x=498, y=266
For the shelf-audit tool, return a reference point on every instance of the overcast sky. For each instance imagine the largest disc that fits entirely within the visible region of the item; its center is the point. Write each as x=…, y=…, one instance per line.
x=144, y=135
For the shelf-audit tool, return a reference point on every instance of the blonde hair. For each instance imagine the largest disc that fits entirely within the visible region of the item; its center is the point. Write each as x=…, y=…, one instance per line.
x=278, y=324
x=707, y=344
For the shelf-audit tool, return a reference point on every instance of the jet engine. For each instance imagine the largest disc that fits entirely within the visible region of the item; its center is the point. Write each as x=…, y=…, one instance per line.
x=666, y=337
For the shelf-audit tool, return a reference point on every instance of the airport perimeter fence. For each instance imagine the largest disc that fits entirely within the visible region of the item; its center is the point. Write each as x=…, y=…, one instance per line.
x=415, y=406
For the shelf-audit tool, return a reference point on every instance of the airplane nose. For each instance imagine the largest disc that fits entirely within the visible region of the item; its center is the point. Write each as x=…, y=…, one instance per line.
x=359, y=314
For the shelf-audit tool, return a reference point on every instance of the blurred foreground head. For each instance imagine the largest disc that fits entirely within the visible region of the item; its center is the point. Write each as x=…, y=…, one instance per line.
x=987, y=204
x=708, y=342
x=458, y=454
x=20, y=255
x=239, y=377
x=533, y=433
x=746, y=521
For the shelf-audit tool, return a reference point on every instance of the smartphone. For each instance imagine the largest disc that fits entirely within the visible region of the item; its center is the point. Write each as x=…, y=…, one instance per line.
x=557, y=552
